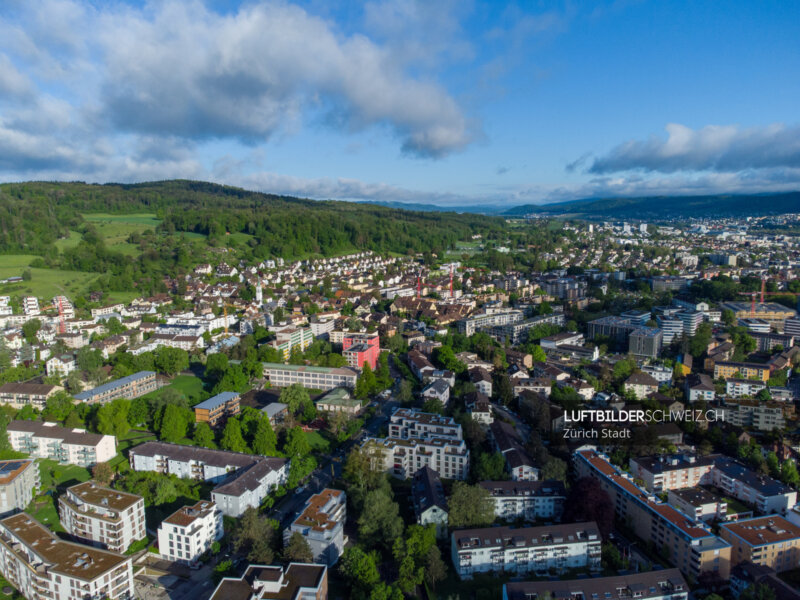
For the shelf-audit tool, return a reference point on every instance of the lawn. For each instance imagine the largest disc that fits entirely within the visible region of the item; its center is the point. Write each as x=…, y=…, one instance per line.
x=14, y=595
x=317, y=442
x=53, y=474
x=43, y=509
x=69, y=242
x=736, y=507
x=189, y=386
x=44, y=283
x=16, y=261
x=134, y=437
x=115, y=229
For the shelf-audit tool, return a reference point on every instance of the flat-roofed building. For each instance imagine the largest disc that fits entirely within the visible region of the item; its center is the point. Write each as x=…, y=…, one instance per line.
x=728, y=370
x=693, y=547
x=102, y=516
x=68, y=446
x=244, y=480
x=339, y=400
x=189, y=532
x=528, y=500
x=646, y=342
x=771, y=541
x=41, y=565
x=19, y=395
x=317, y=378
x=216, y=410
x=19, y=480
x=666, y=584
x=698, y=503
x=540, y=550
x=297, y=581
x=752, y=413
x=775, y=313
x=129, y=387
x=321, y=523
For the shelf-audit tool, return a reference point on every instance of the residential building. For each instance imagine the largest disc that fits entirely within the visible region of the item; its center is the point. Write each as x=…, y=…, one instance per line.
x=541, y=550
x=658, y=372
x=216, y=410
x=437, y=390
x=671, y=326
x=40, y=564
x=430, y=503
x=508, y=442
x=102, y=516
x=747, y=575
x=291, y=338
x=321, y=523
x=740, y=370
x=339, y=400
x=244, y=480
x=766, y=342
x=276, y=413
x=419, y=364
x=740, y=388
x=24, y=394
x=665, y=584
x=699, y=386
x=770, y=541
x=641, y=384
x=528, y=500
x=68, y=446
x=479, y=408
x=317, y=378
x=418, y=439
x=489, y=318
x=129, y=387
x=482, y=380
x=754, y=414
x=297, y=581
x=698, y=503
x=694, y=548
x=19, y=480
x=792, y=327
x=189, y=532
x=764, y=493
x=691, y=320
x=361, y=348
x=61, y=365
x=517, y=332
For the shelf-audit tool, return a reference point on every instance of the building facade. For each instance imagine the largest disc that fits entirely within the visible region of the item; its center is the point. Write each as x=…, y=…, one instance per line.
x=19, y=480
x=189, y=532
x=129, y=387
x=68, y=446
x=528, y=500
x=321, y=523
x=318, y=378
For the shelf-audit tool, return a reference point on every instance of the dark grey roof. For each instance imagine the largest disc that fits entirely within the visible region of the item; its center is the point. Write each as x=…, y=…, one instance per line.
x=652, y=584
x=427, y=491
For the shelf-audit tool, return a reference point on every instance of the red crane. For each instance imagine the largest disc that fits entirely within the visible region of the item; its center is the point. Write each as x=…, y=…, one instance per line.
x=451, y=282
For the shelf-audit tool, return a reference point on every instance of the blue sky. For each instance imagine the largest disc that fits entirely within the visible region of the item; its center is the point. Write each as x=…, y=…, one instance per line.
x=449, y=102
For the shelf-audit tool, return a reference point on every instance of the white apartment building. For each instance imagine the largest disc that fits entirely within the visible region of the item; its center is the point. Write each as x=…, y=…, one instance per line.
x=539, y=550
x=321, y=523
x=61, y=365
x=664, y=473
x=68, y=446
x=417, y=440
x=19, y=480
x=41, y=565
x=528, y=500
x=739, y=388
x=665, y=584
x=30, y=306
x=102, y=516
x=189, y=532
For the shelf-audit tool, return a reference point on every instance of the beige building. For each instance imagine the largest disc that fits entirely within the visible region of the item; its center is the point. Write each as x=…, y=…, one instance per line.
x=102, y=516
x=771, y=541
x=67, y=446
x=43, y=566
x=692, y=547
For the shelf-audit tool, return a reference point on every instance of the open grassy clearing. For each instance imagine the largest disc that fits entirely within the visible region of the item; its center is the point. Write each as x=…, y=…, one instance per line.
x=188, y=386
x=115, y=229
x=45, y=283
x=68, y=242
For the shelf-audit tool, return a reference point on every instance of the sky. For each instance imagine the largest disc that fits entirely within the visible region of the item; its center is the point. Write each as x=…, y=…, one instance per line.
x=450, y=102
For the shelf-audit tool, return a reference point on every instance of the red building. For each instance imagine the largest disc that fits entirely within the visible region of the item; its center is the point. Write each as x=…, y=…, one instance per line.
x=360, y=348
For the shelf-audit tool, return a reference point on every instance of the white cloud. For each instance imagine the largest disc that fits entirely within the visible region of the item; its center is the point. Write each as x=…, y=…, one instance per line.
x=716, y=148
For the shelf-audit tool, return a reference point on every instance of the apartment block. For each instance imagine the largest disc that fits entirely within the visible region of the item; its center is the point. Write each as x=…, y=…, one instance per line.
x=19, y=480
x=646, y=342
x=517, y=332
x=318, y=378
x=244, y=480
x=739, y=388
x=19, y=395
x=360, y=349
x=698, y=503
x=430, y=503
x=693, y=548
x=292, y=338
x=761, y=416
x=539, y=550
x=770, y=541
x=189, y=532
x=129, y=387
x=216, y=410
x=321, y=523
x=666, y=584
x=297, y=581
x=489, y=318
x=102, y=516
x=408, y=423
x=43, y=566
x=727, y=370
x=68, y=446
x=528, y=500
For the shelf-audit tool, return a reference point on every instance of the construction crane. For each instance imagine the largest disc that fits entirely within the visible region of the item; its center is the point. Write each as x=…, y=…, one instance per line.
x=762, y=294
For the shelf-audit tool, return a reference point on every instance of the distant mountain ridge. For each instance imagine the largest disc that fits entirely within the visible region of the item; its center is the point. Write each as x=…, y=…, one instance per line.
x=662, y=207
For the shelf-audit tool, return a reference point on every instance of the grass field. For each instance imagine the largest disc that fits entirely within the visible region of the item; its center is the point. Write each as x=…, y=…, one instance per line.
x=115, y=229
x=54, y=475
x=317, y=442
x=189, y=386
x=43, y=509
x=44, y=283
x=69, y=242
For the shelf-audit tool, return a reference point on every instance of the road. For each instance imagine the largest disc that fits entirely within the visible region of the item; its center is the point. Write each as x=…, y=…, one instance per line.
x=330, y=467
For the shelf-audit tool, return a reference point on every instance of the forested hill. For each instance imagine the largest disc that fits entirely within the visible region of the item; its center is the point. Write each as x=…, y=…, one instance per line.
x=33, y=216
x=666, y=207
